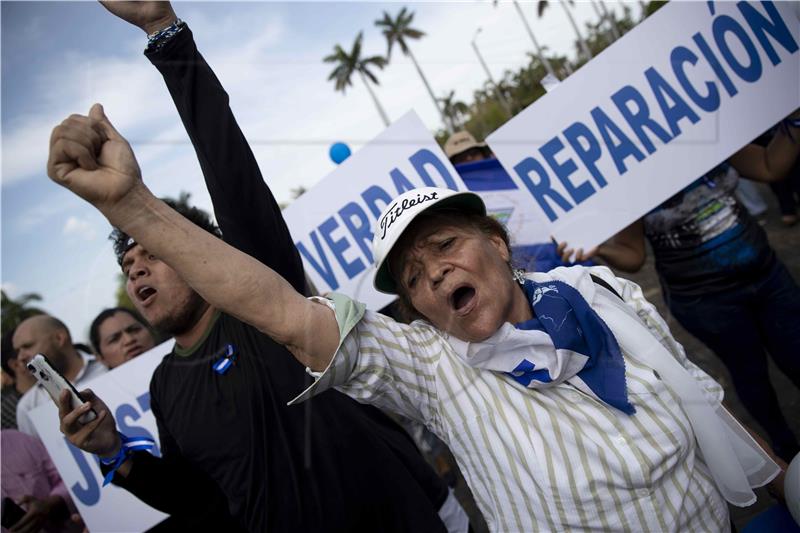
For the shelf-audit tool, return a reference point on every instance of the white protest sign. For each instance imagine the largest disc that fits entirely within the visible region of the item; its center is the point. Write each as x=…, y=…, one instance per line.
x=332, y=223
x=505, y=201
x=674, y=97
x=126, y=392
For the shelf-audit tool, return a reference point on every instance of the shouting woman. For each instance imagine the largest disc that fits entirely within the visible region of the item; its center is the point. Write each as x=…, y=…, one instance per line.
x=563, y=396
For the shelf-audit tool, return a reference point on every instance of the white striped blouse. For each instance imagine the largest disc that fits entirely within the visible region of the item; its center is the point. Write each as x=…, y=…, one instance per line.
x=551, y=459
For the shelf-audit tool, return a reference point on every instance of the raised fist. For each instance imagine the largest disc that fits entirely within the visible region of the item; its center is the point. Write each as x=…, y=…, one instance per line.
x=90, y=158
x=149, y=16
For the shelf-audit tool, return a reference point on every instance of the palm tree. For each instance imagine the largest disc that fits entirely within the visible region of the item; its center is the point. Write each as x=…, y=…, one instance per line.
x=543, y=4
x=399, y=30
x=608, y=16
x=347, y=64
x=539, y=52
x=15, y=311
x=454, y=110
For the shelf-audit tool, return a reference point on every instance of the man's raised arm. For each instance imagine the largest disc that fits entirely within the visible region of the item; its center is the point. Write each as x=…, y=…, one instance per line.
x=245, y=209
x=90, y=158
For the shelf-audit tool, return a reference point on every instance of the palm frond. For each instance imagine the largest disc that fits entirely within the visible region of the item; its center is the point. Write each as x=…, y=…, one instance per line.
x=366, y=72
x=540, y=7
x=378, y=61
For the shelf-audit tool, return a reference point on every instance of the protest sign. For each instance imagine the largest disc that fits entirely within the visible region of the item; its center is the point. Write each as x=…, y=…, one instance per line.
x=531, y=247
x=677, y=95
x=332, y=223
x=505, y=201
x=126, y=392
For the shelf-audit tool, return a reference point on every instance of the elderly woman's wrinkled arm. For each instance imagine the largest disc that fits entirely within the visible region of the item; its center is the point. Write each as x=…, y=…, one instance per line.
x=90, y=158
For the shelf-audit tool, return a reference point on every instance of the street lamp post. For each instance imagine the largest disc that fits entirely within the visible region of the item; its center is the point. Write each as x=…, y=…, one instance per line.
x=581, y=41
x=547, y=66
x=500, y=96
x=609, y=18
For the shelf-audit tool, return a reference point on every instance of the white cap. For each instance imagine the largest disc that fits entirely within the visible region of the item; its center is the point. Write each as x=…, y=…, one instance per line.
x=398, y=215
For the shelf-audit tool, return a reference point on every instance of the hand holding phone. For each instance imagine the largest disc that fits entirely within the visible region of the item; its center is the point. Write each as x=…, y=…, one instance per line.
x=99, y=436
x=54, y=382
x=12, y=513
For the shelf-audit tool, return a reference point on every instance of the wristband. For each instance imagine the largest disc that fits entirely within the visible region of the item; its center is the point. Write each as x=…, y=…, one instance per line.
x=790, y=123
x=793, y=122
x=129, y=445
x=157, y=39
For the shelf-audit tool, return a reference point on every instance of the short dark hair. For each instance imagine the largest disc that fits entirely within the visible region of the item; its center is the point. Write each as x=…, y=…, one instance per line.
x=486, y=224
x=196, y=216
x=94, y=329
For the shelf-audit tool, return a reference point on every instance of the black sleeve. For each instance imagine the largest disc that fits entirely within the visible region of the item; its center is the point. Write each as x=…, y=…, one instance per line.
x=245, y=208
x=173, y=486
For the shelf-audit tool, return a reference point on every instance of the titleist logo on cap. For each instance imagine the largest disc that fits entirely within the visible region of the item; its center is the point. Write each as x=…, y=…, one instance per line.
x=396, y=210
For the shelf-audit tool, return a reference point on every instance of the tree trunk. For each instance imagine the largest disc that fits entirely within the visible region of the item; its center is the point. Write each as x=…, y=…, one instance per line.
x=547, y=66
x=611, y=20
x=610, y=38
x=581, y=41
x=499, y=94
x=430, y=91
x=381, y=112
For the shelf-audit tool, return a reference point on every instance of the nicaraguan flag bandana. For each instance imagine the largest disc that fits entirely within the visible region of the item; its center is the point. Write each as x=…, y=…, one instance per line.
x=566, y=341
x=560, y=311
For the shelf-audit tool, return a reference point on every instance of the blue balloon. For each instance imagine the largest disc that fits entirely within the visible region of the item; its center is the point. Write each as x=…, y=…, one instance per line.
x=339, y=152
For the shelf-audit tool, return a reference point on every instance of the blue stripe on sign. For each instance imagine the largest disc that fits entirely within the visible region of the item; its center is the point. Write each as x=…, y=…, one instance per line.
x=486, y=175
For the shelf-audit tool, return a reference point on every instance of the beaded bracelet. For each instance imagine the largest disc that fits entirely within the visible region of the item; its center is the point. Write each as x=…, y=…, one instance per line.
x=129, y=445
x=788, y=123
x=159, y=38
x=793, y=122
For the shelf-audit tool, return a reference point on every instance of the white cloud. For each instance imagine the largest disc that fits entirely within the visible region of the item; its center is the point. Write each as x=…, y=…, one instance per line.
x=40, y=213
x=79, y=227
x=24, y=151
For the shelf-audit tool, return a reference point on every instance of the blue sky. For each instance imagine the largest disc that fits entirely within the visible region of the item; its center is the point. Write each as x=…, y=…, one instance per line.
x=60, y=57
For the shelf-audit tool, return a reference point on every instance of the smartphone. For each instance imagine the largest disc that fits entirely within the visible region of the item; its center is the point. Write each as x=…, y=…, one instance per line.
x=12, y=513
x=53, y=382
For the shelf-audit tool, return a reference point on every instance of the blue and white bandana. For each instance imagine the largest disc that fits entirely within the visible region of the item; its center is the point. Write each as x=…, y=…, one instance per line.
x=566, y=341
x=573, y=326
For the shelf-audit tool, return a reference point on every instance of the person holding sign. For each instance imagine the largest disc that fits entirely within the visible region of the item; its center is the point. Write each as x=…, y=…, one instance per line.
x=219, y=397
x=563, y=396
x=722, y=280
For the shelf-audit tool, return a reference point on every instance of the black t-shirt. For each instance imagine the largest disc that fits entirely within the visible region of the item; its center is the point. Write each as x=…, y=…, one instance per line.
x=704, y=240
x=318, y=467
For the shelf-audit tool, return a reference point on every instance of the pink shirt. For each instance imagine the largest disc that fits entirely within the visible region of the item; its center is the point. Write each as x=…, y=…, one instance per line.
x=28, y=470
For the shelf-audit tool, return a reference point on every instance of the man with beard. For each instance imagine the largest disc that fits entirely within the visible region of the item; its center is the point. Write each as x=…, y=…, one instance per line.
x=220, y=397
x=48, y=335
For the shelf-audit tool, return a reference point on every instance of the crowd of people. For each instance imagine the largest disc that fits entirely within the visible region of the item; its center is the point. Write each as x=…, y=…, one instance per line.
x=563, y=396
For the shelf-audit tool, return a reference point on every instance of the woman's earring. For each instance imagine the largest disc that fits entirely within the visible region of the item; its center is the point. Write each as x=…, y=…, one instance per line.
x=519, y=275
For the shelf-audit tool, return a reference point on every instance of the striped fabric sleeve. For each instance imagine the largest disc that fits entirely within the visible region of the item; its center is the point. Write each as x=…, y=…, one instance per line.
x=633, y=295
x=381, y=362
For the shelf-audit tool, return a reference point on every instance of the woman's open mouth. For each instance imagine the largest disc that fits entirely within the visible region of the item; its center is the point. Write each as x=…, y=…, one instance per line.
x=462, y=298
